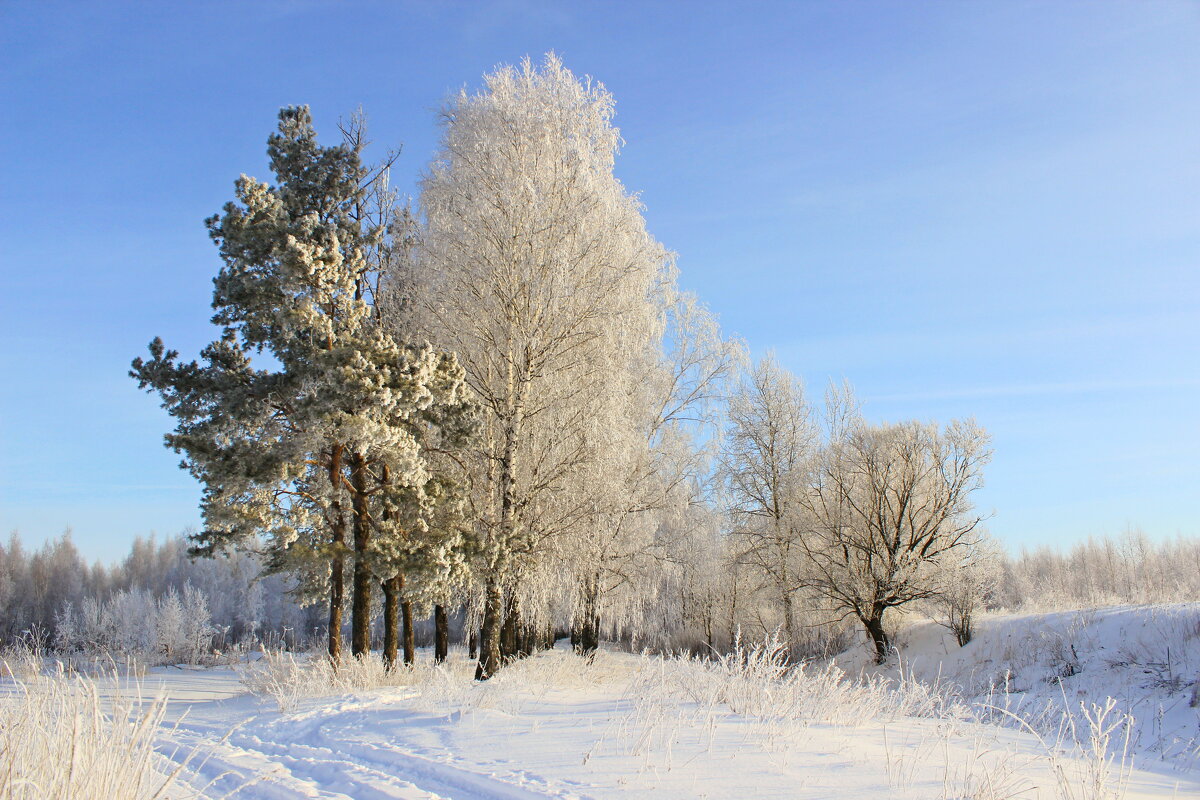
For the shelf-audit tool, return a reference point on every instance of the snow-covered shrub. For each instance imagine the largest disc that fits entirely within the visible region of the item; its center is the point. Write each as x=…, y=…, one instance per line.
x=133, y=625
x=287, y=678
x=967, y=581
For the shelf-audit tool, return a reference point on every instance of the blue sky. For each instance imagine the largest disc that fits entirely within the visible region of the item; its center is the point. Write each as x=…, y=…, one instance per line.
x=987, y=209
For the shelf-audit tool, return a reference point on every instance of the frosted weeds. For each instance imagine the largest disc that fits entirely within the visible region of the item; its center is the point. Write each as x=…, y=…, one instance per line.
x=61, y=739
x=287, y=678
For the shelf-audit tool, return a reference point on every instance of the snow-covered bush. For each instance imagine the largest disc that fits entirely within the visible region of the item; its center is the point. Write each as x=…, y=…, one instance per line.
x=968, y=580
x=134, y=625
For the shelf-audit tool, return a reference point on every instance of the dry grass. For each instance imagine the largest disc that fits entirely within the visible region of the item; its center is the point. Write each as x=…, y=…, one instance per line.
x=60, y=739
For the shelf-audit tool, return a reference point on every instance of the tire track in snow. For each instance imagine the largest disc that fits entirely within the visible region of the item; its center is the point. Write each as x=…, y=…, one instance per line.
x=327, y=758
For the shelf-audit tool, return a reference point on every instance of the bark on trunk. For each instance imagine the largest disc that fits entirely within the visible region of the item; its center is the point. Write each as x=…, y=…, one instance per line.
x=489, y=633
x=588, y=637
x=784, y=579
x=874, y=626
x=789, y=620
x=410, y=648
x=391, y=620
x=360, y=622
x=472, y=646
x=337, y=566
x=490, y=658
x=441, y=634
x=508, y=632
x=526, y=640
x=336, y=593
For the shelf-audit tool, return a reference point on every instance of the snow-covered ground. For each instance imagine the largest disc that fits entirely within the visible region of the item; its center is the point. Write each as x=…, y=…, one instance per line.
x=1041, y=665
x=630, y=726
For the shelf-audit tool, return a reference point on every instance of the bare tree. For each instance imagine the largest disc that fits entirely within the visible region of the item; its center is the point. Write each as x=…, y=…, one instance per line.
x=968, y=578
x=888, y=505
x=769, y=445
x=674, y=404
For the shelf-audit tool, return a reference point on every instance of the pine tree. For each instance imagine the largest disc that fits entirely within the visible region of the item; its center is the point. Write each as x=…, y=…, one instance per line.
x=305, y=411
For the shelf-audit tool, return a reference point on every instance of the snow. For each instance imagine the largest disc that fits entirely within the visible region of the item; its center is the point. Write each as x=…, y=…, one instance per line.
x=1041, y=664
x=943, y=723
x=627, y=725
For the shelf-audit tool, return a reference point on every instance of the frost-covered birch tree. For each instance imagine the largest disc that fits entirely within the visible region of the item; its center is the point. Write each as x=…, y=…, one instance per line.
x=769, y=445
x=537, y=270
x=674, y=407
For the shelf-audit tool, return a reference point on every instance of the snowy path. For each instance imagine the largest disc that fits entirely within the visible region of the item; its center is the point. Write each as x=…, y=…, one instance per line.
x=333, y=755
x=367, y=748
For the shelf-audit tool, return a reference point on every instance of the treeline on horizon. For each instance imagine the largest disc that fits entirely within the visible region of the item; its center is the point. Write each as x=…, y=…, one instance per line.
x=242, y=606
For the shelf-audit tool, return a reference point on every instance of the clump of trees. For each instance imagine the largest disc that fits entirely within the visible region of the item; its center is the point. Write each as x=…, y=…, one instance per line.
x=307, y=421
x=854, y=517
x=1131, y=568
x=170, y=629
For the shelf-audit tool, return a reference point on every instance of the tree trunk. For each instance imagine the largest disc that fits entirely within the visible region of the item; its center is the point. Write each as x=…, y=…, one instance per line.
x=508, y=631
x=472, y=645
x=589, y=635
x=732, y=629
x=784, y=581
x=493, y=604
x=391, y=621
x=874, y=625
x=789, y=621
x=337, y=586
x=410, y=648
x=336, y=594
x=360, y=617
x=441, y=634
x=588, y=638
x=489, y=633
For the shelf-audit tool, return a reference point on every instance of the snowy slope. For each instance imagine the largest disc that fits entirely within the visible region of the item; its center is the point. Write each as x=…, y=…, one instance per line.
x=1145, y=657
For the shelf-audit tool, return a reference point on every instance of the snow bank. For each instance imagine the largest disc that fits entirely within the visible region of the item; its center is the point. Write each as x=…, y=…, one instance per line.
x=1042, y=665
